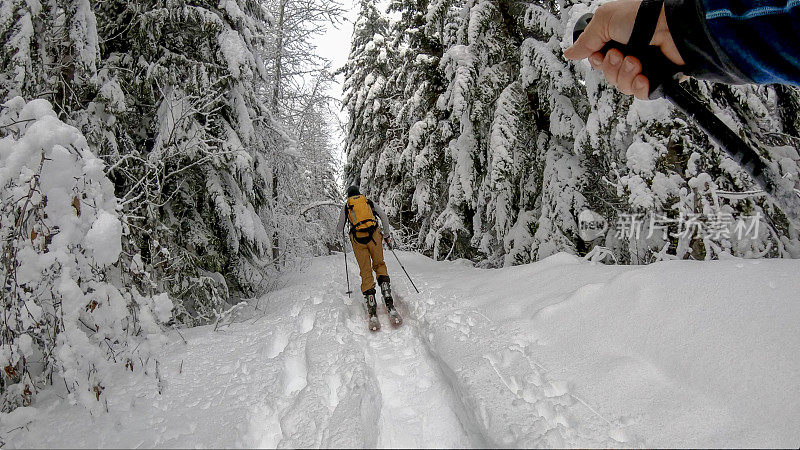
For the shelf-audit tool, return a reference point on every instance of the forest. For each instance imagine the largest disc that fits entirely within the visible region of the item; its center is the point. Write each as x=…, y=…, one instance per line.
x=185, y=147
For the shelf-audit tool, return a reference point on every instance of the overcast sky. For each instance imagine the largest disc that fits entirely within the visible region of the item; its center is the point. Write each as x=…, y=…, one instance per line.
x=335, y=44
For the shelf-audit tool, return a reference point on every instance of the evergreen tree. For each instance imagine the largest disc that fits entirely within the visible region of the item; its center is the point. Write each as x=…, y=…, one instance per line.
x=198, y=176
x=366, y=94
x=217, y=143
x=178, y=99
x=507, y=143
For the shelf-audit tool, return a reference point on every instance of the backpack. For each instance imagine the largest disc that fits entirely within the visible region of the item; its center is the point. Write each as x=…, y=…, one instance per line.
x=359, y=211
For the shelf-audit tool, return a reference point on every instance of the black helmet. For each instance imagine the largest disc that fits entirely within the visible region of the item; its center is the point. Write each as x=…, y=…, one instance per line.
x=353, y=191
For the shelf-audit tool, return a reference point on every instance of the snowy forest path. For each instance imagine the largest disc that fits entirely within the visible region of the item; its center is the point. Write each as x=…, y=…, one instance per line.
x=450, y=378
x=340, y=385
x=305, y=372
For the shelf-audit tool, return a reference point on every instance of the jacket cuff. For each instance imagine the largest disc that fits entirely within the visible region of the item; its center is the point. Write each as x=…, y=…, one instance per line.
x=700, y=51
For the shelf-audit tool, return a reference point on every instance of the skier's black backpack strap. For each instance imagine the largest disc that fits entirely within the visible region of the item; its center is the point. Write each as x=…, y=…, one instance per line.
x=362, y=223
x=644, y=27
x=366, y=239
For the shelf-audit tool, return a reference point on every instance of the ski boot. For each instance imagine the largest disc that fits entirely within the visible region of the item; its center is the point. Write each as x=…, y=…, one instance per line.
x=372, y=310
x=394, y=316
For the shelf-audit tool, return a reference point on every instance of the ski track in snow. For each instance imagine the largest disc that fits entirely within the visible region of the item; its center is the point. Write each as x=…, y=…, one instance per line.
x=308, y=373
x=417, y=404
x=509, y=400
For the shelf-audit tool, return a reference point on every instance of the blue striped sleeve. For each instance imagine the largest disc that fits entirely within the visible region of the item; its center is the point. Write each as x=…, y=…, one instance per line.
x=760, y=37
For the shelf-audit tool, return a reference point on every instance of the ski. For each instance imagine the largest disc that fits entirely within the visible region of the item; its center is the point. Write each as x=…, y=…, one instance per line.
x=394, y=317
x=388, y=301
x=374, y=323
x=395, y=320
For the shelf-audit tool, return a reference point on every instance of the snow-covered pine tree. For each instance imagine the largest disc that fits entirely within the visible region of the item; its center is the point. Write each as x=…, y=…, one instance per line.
x=655, y=162
x=419, y=33
x=174, y=97
x=456, y=61
x=401, y=63
x=522, y=141
x=366, y=93
x=189, y=148
x=665, y=166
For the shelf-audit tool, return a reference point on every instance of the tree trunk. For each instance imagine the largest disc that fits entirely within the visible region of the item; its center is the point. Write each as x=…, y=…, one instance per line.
x=276, y=93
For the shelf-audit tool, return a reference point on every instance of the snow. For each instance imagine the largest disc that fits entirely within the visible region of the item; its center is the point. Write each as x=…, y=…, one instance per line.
x=163, y=307
x=640, y=195
x=235, y=52
x=643, y=111
x=558, y=353
x=112, y=91
x=641, y=158
x=105, y=239
x=83, y=33
x=60, y=218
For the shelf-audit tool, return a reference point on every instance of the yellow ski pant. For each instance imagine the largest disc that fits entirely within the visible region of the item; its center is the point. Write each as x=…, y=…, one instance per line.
x=370, y=258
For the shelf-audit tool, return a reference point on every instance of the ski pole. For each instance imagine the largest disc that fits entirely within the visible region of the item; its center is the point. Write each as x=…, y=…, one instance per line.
x=661, y=74
x=391, y=247
x=346, y=272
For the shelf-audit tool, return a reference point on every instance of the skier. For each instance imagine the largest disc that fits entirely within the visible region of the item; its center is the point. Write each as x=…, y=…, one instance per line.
x=736, y=42
x=367, y=239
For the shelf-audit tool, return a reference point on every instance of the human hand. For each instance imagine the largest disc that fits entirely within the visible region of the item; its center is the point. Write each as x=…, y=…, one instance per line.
x=388, y=240
x=614, y=22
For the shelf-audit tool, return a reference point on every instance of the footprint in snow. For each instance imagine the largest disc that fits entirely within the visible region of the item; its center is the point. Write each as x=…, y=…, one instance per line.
x=278, y=345
x=307, y=323
x=295, y=373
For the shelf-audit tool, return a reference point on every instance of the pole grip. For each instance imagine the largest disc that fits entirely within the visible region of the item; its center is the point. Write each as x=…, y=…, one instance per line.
x=655, y=66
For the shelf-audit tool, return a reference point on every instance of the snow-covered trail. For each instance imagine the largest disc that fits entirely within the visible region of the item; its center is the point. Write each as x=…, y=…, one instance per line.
x=400, y=399
x=307, y=373
x=560, y=353
x=417, y=403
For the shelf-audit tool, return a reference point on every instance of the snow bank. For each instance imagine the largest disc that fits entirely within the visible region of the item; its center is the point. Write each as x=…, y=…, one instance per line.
x=68, y=319
x=679, y=353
